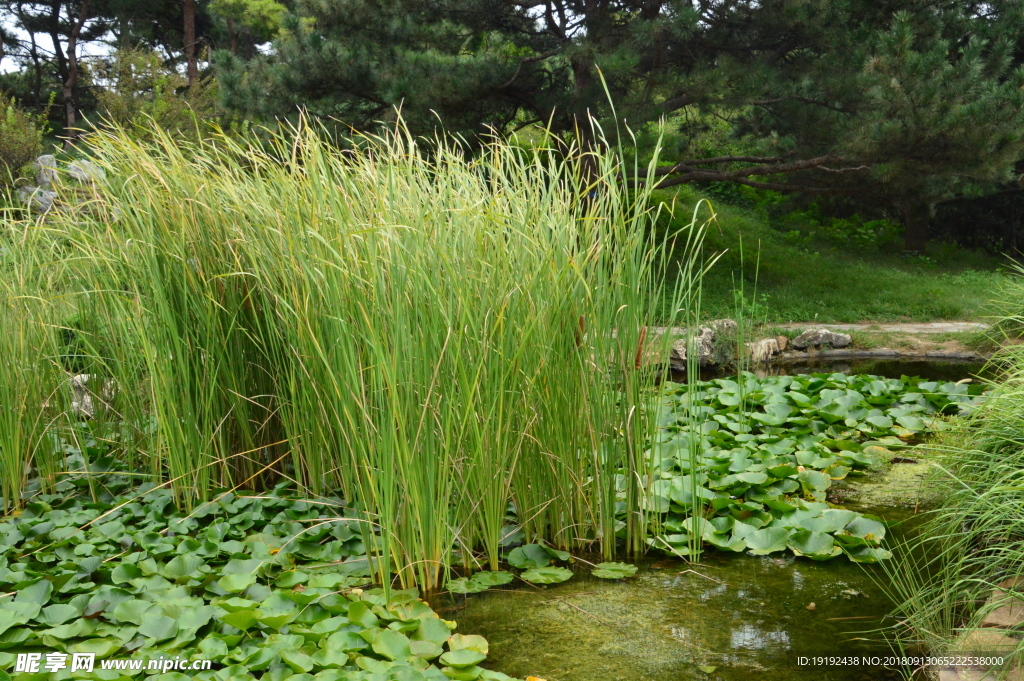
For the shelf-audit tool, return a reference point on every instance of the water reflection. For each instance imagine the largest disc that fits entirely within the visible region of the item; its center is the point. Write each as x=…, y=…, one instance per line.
x=749, y=636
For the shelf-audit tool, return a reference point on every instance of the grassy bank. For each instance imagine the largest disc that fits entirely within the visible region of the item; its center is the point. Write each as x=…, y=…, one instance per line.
x=790, y=275
x=959, y=584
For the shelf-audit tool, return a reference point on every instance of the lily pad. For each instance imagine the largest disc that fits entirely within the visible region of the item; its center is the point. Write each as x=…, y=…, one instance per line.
x=546, y=575
x=529, y=556
x=614, y=570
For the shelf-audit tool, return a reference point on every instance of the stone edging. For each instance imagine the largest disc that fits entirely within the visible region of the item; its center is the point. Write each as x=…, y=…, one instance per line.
x=793, y=356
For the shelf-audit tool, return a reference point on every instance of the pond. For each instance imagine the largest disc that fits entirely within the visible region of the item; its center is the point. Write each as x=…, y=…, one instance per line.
x=895, y=368
x=731, y=617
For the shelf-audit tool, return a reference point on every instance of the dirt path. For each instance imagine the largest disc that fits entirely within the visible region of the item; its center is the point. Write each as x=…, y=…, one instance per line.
x=908, y=328
x=936, y=340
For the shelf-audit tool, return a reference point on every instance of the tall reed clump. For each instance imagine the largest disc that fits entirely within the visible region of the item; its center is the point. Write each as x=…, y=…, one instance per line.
x=437, y=335
x=967, y=561
x=33, y=408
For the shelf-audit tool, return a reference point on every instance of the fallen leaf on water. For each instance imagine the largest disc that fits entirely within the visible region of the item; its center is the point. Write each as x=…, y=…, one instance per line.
x=534, y=678
x=811, y=606
x=707, y=668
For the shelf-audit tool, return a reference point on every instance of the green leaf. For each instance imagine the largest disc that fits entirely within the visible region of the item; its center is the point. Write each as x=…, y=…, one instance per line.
x=753, y=478
x=468, y=642
x=236, y=582
x=768, y=540
x=867, y=529
x=37, y=592
x=614, y=570
x=911, y=422
x=53, y=615
x=240, y=619
x=159, y=628
x=493, y=578
x=297, y=661
x=390, y=644
x=131, y=611
x=880, y=421
x=182, y=567
x=464, y=657
x=359, y=613
x=464, y=585
x=867, y=554
x=346, y=641
x=432, y=629
x=124, y=572
x=813, y=544
x=546, y=575
x=529, y=556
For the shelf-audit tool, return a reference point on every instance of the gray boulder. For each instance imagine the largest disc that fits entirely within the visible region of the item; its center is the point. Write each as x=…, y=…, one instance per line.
x=723, y=325
x=819, y=337
x=46, y=170
x=703, y=344
x=762, y=351
x=38, y=199
x=84, y=397
x=86, y=171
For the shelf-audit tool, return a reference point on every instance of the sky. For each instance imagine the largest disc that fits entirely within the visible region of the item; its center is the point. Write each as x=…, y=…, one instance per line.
x=45, y=44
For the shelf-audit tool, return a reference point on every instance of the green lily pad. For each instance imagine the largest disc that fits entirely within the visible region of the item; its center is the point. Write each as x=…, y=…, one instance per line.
x=464, y=657
x=546, y=575
x=529, y=556
x=464, y=585
x=489, y=578
x=614, y=570
x=769, y=540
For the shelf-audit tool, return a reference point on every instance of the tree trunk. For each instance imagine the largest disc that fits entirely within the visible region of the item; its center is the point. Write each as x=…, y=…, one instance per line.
x=70, y=90
x=915, y=225
x=190, y=41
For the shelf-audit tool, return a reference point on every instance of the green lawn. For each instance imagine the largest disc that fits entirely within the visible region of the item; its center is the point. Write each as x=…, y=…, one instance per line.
x=834, y=282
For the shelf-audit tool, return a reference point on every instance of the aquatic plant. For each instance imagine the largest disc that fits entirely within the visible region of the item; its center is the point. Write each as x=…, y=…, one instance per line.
x=433, y=334
x=258, y=585
x=770, y=448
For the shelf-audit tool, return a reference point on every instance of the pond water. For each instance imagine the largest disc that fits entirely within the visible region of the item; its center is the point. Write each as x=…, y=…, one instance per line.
x=937, y=371
x=748, y=617
x=730, y=617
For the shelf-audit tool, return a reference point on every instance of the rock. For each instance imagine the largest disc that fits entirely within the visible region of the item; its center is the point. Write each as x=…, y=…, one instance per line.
x=86, y=171
x=82, y=395
x=46, y=170
x=762, y=350
x=705, y=346
x=783, y=343
x=984, y=642
x=966, y=674
x=37, y=199
x=1005, y=609
x=818, y=337
x=723, y=325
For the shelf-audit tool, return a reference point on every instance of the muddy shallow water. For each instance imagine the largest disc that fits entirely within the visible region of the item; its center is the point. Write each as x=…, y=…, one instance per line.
x=748, y=617
x=730, y=618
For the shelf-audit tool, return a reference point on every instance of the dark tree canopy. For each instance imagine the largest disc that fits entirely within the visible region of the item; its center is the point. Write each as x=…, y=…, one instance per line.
x=904, y=103
x=901, y=100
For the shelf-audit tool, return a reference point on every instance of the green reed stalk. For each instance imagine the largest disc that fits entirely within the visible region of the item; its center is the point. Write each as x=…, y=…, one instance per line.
x=437, y=335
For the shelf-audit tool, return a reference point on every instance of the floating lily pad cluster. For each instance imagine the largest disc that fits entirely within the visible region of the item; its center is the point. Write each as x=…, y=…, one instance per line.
x=535, y=561
x=264, y=587
x=768, y=449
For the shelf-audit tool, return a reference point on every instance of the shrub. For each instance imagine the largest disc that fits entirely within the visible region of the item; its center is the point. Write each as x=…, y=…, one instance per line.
x=21, y=140
x=140, y=90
